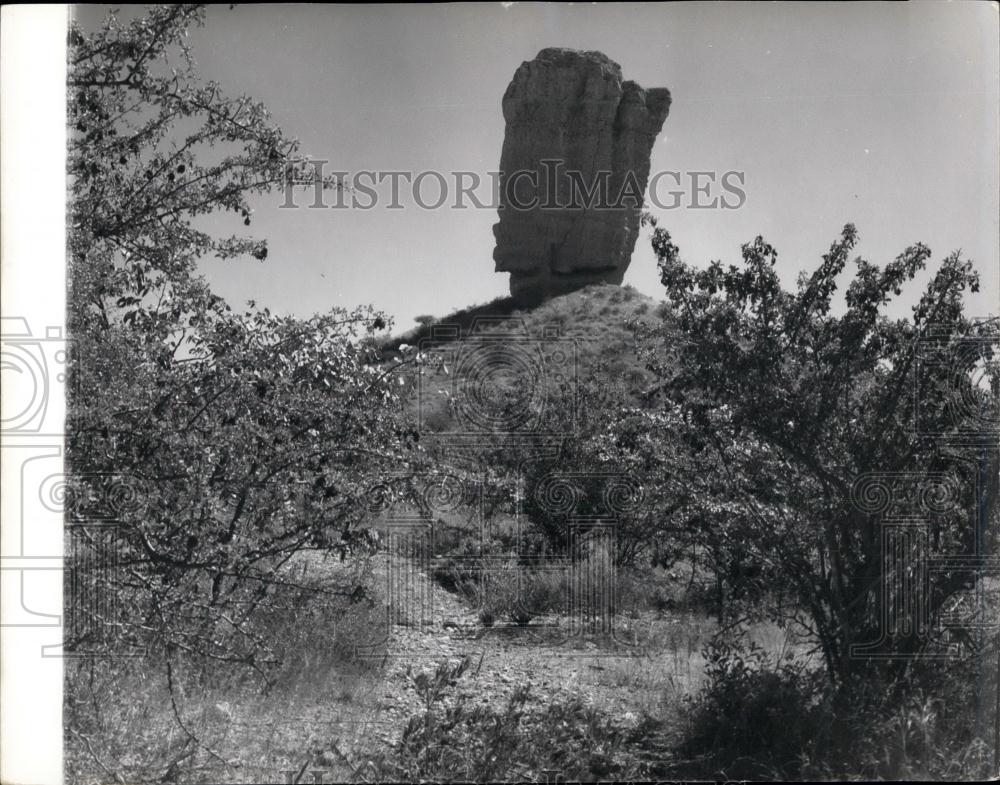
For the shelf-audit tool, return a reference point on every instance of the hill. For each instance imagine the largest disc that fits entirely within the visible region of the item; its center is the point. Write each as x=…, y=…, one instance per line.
x=497, y=366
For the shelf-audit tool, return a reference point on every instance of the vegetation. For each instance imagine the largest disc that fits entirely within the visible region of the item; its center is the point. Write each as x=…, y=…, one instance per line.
x=741, y=441
x=476, y=744
x=220, y=444
x=791, y=405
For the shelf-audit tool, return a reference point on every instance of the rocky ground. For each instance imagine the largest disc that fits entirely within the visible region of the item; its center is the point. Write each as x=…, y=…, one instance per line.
x=332, y=713
x=622, y=680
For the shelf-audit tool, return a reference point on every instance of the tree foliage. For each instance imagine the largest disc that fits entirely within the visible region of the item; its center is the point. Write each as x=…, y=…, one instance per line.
x=153, y=151
x=221, y=443
x=785, y=400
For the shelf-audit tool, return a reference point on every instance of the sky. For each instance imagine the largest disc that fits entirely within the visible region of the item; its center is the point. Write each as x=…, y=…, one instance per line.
x=884, y=115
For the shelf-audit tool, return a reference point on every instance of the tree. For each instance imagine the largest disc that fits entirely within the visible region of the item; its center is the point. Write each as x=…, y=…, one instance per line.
x=683, y=500
x=794, y=404
x=152, y=151
x=224, y=443
x=610, y=453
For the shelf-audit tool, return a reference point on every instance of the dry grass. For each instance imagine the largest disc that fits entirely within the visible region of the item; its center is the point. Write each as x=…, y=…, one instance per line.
x=220, y=723
x=324, y=712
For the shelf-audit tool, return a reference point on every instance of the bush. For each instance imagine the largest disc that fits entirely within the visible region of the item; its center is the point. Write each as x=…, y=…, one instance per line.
x=546, y=590
x=930, y=729
x=119, y=712
x=501, y=594
x=460, y=568
x=759, y=717
x=756, y=716
x=490, y=577
x=639, y=589
x=453, y=739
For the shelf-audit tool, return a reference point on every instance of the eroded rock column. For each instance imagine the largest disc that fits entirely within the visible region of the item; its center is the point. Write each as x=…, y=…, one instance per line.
x=575, y=163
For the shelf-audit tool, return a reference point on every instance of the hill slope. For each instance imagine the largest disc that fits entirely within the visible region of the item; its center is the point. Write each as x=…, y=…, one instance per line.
x=486, y=366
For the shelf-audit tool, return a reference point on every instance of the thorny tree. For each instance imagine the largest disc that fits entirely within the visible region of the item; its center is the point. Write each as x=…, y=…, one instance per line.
x=793, y=405
x=218, y=444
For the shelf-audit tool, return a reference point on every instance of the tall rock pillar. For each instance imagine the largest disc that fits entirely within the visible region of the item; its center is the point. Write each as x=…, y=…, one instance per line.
x=574, y=166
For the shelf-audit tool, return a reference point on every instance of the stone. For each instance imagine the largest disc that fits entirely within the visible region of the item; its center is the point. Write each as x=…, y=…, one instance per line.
x=573, y=126
x=219, y=713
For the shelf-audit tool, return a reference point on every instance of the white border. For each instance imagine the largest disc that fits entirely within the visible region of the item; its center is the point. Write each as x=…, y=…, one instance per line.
x=32, y=286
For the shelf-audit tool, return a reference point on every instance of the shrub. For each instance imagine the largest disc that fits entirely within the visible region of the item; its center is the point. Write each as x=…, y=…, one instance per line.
x=545, y=591
x=502, y=594
x=756, y=716
x=491, y=578
x=637, y=590
x=453, y=739
x=460, y=569
x=119, y=712
x=760, y=717
x=486, y=617
x=929, y=730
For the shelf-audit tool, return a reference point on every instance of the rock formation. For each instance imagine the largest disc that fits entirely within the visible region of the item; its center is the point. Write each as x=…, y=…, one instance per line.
x=574, y=166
